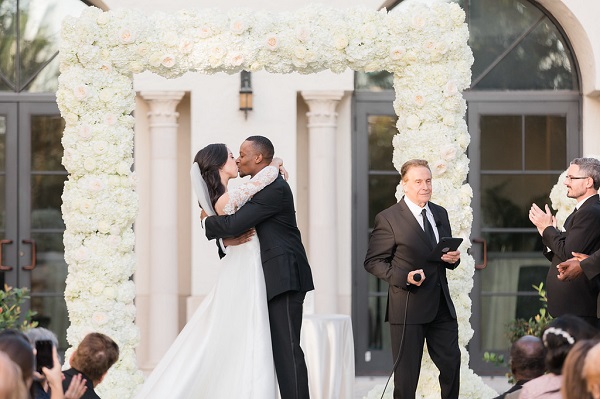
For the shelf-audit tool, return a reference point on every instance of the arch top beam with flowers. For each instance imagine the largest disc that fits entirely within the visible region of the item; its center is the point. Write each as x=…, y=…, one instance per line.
x=422, y=42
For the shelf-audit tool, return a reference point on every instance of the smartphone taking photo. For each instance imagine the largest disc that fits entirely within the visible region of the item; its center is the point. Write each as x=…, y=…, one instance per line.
x=44, y=356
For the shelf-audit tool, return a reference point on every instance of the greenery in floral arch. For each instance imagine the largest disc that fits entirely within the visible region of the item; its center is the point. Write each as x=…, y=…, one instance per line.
x=422, y=42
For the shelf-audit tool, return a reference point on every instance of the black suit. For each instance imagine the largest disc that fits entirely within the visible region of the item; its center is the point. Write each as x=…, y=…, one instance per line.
x=591, y=268
x=582, y=234
x=287, y=275
x=89, y=393
x=397, y=246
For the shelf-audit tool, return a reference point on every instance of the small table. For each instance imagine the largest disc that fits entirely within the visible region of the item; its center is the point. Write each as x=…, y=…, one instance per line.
x=328, y=346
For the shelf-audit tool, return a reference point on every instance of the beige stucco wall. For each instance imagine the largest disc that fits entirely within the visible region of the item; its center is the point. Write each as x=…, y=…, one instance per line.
x=579, y=19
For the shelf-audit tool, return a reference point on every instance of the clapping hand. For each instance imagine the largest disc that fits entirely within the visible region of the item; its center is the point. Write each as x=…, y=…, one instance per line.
x=541, y=219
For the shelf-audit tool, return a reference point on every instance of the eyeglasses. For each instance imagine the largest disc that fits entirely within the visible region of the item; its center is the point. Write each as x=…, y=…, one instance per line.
x=568, y=177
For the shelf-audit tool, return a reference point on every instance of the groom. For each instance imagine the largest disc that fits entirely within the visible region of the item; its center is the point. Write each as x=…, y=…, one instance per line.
x=287, y=272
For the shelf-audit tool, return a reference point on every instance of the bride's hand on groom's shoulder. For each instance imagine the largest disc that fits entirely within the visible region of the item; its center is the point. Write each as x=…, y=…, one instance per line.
x=278, y=163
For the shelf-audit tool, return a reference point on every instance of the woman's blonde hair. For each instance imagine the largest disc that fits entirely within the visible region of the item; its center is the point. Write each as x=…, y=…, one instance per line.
x=11, y=380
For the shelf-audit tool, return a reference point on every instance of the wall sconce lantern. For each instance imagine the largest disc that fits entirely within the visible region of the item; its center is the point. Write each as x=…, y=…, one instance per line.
x=245, y=92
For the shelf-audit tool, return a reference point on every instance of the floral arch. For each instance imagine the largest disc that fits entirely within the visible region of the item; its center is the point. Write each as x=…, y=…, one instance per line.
x=423, y=42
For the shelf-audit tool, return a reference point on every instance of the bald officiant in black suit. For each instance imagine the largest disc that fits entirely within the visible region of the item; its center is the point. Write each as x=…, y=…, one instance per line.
x=419, y=306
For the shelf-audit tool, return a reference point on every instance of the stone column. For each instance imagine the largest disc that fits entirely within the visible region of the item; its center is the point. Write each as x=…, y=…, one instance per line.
x=163, y=296
x=322, y=234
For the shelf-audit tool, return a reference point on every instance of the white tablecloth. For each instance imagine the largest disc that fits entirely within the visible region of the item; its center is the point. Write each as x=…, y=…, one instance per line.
x=328, y=346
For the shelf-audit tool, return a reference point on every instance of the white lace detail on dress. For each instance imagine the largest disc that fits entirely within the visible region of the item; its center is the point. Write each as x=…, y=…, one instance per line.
x=242, y=194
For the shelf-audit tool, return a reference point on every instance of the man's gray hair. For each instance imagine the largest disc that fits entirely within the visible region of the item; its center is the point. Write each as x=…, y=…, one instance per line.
x=589, y=167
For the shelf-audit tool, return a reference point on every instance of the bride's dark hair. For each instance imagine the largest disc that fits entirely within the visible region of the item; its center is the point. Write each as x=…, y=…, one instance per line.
x=210, y=159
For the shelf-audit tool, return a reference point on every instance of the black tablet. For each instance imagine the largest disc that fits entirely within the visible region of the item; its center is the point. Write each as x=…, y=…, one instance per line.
x=446, y=244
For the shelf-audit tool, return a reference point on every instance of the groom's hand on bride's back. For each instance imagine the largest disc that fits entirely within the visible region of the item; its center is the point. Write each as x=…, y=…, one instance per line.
x=241, y=239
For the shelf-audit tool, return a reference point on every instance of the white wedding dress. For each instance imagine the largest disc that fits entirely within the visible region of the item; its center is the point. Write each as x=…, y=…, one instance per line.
x=224, y=351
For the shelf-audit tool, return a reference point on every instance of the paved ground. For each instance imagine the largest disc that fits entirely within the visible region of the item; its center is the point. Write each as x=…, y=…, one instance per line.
x=362, y=385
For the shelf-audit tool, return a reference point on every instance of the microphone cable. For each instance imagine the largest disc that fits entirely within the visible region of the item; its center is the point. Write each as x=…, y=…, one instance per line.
x=401, y=338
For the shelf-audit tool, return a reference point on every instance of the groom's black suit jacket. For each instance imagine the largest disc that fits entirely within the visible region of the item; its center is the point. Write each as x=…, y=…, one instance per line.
x=271, y=211
x=398, y=245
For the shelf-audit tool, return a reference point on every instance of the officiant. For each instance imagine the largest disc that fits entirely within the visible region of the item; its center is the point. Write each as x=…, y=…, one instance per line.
x=419, y=307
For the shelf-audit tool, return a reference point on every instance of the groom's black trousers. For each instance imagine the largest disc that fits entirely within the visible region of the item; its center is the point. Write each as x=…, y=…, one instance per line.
x=285, y=317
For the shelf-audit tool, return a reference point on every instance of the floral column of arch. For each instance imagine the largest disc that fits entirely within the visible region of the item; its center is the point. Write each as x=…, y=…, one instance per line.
x=423, y=42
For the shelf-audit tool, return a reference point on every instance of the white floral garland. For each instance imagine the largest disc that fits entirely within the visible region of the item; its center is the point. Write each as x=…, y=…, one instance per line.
x=423, y=42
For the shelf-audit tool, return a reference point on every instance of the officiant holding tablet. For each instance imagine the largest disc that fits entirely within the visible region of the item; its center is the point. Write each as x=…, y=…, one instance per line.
x=404, y=251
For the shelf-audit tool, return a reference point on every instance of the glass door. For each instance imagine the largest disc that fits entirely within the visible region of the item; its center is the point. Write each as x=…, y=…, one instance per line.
x=517, y=152
x=375, y=182
x=33, y=227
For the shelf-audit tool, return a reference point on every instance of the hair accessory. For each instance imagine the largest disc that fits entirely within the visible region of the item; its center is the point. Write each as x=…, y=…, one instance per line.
x=201, y=190
x=558, y=331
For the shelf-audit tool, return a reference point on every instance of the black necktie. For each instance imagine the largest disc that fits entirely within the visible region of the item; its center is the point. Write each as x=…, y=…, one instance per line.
x=569, y=220
x=428, y=229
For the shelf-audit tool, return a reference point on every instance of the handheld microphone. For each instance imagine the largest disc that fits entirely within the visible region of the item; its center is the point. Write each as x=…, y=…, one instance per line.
x=417, y=277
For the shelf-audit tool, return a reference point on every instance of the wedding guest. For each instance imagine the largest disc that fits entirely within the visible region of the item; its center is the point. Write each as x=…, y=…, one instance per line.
x=20, y=351
x=40, y=388
x=526, y=362
x=574, y=385
x=578, y=295
x=92, y=359
x=591, y=371
x=558, y=338
x=16, y=345
x=11, y=381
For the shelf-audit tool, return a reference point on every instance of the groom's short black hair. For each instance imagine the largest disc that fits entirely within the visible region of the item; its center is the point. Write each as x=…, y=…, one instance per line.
x=264, y=146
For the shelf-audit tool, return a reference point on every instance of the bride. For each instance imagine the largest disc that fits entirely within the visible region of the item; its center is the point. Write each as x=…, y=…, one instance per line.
x=225, y=349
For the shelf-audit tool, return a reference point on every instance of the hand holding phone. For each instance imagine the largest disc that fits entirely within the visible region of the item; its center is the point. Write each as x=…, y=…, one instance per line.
x=44, y=355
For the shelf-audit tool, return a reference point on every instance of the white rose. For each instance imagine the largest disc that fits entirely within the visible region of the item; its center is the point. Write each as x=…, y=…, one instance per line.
x=272, y=42
x=236, y=58
x=439, y=167
x=102, y=18
x=186, y=46
x=97, y=288
x=104, y=226
x=299, y=52
x=85, y=132
x=100, y=318
x=168, y=61
x=89, y=164
x=419, y=100
x=449, y=152
x=81, y=92
x=86, y=206
x=397, y=53
x=110, y=118
x=238, y=27
x=340, y=41
x=82, y=254
x=413, y=122
x=126, y=36
x=303, y=32
x=204, y=32
x=417, y=22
